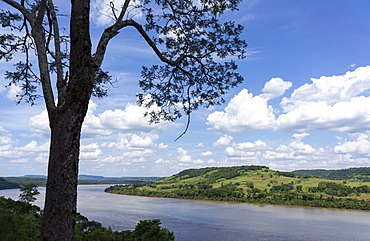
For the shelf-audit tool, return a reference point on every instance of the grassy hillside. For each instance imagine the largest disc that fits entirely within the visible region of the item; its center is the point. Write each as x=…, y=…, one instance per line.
x=254, y=184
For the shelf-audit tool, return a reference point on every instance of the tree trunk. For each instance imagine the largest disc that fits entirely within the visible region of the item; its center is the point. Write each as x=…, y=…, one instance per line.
x=66, y=123
x=61, y=188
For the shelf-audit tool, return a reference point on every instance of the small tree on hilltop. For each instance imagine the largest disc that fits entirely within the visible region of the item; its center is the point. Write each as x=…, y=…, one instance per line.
x=187, y=37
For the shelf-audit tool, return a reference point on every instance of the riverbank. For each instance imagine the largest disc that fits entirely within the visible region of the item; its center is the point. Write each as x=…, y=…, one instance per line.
x=289, y=199
x=254, y=184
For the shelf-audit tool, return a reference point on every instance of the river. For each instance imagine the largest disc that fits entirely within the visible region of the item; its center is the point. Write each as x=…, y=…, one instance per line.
x=218, y=221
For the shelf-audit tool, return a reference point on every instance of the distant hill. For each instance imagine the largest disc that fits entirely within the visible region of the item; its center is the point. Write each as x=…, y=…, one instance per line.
x=40, y=180
x=36, y=176
x=212, y=174
x=361, y=174
x=90, y=177
x=25, y=180
x=7, y=185
x=257, y=184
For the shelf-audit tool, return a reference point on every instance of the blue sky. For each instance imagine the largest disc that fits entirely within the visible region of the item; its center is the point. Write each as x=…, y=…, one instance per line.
x=304, y=103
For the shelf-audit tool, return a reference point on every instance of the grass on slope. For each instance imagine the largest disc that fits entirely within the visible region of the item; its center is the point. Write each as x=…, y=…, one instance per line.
x=245, y=177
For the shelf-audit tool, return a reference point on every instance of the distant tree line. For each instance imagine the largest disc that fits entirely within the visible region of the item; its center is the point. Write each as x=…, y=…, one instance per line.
x=16, y=182
x=23, y=181
x=338, y=190
x=355, y=174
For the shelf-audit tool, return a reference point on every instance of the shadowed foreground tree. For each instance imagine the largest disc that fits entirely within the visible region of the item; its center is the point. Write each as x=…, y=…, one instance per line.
x=186, y=35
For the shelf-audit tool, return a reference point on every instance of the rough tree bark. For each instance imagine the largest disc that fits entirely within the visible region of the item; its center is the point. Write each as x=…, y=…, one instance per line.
x=66, y=124
x=61, y=196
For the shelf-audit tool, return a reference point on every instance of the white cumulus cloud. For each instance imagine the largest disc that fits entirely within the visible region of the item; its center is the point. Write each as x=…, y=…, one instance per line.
x=257, y=145
x=244, y=113
x=335, y=103
x=184, y=158
x=330, y=90
x=275, y=88
x=223, y=140
x=359, y=146
x=13, y=92
x=131, y=119
x=207, y=153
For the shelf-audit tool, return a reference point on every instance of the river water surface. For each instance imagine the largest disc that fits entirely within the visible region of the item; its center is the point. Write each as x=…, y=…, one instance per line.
x=218, y=221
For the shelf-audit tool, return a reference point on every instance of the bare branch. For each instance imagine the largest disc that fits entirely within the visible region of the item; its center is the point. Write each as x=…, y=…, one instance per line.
x=38, y=35
x=159, y=54
x=151, y=43
x=188, y=113
x=41, y=11
x=61, y=82
x=50, y=28
x=109, y=33
x=111, y=5
x=123, y=11
x=113, y=30
x=36, y=22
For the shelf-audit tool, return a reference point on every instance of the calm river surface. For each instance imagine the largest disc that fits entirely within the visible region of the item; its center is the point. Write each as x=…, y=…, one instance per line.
x=218, y=221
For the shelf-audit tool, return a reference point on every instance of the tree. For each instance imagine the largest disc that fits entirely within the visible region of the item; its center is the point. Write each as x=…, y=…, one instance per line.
x=187, y=36
x=28, y=193
x=19, y=220
x=151, y=230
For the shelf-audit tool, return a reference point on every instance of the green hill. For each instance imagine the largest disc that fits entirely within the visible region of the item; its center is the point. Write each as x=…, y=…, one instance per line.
x=23, y=181
x=256, y=184
x=7, y=185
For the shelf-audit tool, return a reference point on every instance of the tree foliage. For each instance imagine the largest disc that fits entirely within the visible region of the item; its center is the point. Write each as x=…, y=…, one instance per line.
x=28, y=193
x=193, y=39
x=353, y=174
x=197, y=50
x=19, y=220
x=196, y=47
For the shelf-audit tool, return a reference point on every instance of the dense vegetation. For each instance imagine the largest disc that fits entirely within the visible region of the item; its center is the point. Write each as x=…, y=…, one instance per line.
x=360, y=174
x=23, y=181
x=22, y=221
x=4, y=184
x=255, y=184
x=123, y=180
x=39, y=180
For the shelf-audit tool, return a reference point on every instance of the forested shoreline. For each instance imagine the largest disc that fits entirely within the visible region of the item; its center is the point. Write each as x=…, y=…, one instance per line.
x=254, y=184
x=17, y=182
